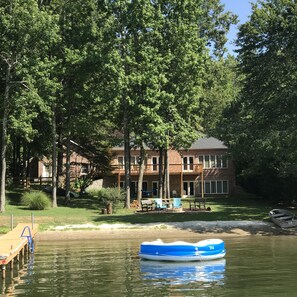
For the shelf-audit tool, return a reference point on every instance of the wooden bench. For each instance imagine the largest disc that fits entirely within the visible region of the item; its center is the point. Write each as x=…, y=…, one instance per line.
x=197, y=203
x=147, y=205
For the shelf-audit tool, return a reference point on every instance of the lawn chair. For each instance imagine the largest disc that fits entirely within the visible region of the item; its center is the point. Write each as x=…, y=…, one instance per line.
x=177, y=203
x=159, y=204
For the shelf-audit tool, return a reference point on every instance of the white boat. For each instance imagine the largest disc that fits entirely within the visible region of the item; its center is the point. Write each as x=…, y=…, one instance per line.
x=283, y=218
x=209, y=249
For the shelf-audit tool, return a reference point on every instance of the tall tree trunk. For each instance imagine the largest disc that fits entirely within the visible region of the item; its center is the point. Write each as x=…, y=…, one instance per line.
x=59, y=160
x=67, y=187
x=127, y=160
x=54, y=159
x=141, y=171
x=28, y=173
x=167, y=174
x=161, y=183
x=4, y=137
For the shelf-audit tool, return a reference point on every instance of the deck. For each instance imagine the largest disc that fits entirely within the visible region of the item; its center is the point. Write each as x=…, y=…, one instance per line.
x=15, y=242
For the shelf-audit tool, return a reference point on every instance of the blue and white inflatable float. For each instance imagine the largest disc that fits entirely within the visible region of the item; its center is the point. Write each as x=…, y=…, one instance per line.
x=209, y=249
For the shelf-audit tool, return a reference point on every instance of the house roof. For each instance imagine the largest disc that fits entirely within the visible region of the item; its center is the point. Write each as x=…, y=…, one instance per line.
x=201, y=143
x=208, y=143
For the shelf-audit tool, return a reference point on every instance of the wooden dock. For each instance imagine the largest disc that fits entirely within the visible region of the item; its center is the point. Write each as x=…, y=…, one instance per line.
x=18, y=241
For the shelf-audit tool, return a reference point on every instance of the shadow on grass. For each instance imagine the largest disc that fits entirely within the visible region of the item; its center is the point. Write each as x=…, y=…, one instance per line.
x=14, y=197
x=84, y=201
x=223, y=209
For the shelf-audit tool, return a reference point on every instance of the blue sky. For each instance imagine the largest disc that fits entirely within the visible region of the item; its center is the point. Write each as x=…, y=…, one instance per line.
x=242, y=8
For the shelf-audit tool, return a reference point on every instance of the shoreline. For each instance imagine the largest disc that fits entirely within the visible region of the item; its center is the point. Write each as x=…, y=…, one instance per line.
x=173, y=230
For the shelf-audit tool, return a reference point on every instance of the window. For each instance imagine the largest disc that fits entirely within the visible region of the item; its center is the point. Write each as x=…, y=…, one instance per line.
x=189, y=188
x=46, y=170
x=213, y=161
x=215, y=187
x=134, y=188
x=133, y=162
x=155, y=163
x=155, y=188
x=84, y=169
x=188, y=163
x=121, y=162
x=207, y=187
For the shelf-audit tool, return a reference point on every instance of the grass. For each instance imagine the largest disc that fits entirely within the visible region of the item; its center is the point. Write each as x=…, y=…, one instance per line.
x=86, y=209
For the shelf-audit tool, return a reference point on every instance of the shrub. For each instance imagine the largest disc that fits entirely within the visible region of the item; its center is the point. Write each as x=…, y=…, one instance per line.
x=36, y=200
x=108, y=195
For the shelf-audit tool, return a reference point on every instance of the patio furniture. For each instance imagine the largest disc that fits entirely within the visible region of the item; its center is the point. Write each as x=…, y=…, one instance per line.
x=197, y=204
x=147, y=205
x=160, y=204
x=177, y=203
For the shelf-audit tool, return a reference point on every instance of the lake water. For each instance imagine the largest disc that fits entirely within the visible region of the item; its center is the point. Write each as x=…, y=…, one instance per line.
x=254, y=266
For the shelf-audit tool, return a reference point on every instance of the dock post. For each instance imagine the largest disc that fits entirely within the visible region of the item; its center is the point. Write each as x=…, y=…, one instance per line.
x=3, y=268
x=11, y=221
x=32, y=220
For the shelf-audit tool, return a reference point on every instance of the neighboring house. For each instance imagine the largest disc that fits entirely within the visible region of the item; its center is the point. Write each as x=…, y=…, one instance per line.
x=80, y=165
x=202, y=170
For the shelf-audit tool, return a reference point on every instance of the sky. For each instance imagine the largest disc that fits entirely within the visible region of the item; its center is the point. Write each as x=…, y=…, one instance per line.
x=242, y=8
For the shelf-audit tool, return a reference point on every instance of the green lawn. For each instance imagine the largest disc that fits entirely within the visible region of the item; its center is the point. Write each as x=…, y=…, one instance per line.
x=88, y=210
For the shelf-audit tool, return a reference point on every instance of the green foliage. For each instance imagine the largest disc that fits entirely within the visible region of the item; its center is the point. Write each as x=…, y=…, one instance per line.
x=108, y=195
x=135, y=66
x=261, y=125
x=82, y=183
x=35, y=200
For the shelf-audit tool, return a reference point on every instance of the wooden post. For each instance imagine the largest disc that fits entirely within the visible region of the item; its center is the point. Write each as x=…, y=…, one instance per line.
x=23, y=256
x=3, y=268
x=11, y=221
x=202, y=183
x=32, y=220
x=181, y=182
x=119, y=181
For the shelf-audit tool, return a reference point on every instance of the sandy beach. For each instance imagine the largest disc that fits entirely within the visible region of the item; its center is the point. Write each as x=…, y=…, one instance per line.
x=181, y=230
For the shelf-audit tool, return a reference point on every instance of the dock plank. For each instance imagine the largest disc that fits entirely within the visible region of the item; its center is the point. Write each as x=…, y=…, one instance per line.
x=12, y=243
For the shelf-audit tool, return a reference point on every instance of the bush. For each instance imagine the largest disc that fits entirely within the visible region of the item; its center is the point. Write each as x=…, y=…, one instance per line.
x=35, y=200
x=108, y=195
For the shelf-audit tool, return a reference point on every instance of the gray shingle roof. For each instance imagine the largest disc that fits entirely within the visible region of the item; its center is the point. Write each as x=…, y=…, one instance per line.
x=208, y=143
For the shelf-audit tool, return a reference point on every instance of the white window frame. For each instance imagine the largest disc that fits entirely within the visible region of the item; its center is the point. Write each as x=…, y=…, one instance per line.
x=155, y=166
x=46, y=170
x=121, y=162
x=157, y=188
x=219, y=187
x=188, y=163
x=187, y=191
x=213, y=161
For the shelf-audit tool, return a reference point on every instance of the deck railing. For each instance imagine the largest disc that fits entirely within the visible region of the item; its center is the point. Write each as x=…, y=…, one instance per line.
x=154, y=168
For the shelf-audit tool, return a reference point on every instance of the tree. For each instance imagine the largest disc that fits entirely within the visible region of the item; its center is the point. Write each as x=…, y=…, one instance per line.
x=157, y=55
x=26, y=32
x=261, y=125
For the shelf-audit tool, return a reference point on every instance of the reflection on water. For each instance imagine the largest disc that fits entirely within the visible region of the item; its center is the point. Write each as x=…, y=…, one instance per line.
x=254, y=266
x=17, y=276
x=184, y=272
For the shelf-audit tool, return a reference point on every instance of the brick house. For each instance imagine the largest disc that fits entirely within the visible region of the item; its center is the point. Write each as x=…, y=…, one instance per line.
x=80, y=165
x=202, y=170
